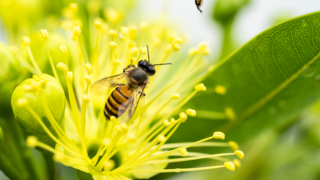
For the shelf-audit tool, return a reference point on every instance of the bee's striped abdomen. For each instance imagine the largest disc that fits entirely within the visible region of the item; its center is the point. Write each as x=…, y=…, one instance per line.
x=118, y=102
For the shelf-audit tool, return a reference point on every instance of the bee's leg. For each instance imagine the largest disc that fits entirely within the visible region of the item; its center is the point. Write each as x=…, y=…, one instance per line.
x=118, y=84
x=131, y=65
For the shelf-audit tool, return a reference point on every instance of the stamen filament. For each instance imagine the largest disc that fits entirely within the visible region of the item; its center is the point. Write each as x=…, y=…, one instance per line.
x=204, y=144
x=51, y=62
x=176, y=170
x=32, y=59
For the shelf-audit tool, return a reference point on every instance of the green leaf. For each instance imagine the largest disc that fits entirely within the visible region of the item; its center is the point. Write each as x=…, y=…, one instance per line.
x=269, y=80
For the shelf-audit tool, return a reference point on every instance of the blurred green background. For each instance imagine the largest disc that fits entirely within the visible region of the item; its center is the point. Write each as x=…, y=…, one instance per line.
x=279, y=133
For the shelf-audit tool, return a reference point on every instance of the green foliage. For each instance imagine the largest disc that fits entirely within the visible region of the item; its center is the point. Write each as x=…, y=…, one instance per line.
x=269, y=80
x=1, y=140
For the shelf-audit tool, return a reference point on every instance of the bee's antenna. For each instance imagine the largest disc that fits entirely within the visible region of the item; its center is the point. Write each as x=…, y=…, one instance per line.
x=163, y=64
x=148, y=53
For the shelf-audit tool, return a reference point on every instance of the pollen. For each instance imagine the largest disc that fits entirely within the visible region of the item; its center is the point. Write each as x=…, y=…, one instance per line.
x=193, y=51
x=175, y=47
x=124, y=31
x=143, y=50
x=69, y=76
x=200, y=87
x=58, y=157
x=233, y=145
x=166, y=122
x=106, y=142
x=85, y=98
x=113, y=33
x=229, y=165
x=219, y=135
x=220, y=89
x=63, y=49
x=175, y=96
x=173, y=121
x=237, y=164
x=191, y=112
x=89, y=68
x=113, y=44
x=76, y=31
x=230, y=113
x=63, y=67
x=32, y=141
x=183, y=117
x=109, y=165
x=98, y=24
x=183, y=151
x=44, y=33
x=239, y=153
x=26, y=40
x=162, y=138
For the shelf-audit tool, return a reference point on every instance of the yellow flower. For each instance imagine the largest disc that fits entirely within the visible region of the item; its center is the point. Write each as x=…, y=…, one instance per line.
x=116, y=149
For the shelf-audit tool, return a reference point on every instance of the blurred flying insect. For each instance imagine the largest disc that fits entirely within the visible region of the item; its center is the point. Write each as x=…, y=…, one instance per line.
x=125, y=96
x=199, y=3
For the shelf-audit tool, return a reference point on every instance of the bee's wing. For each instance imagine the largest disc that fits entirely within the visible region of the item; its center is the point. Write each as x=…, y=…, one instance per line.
x=134, y=100
x=101, y=86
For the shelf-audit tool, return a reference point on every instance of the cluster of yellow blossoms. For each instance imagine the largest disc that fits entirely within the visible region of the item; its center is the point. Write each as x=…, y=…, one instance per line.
x=74, y=120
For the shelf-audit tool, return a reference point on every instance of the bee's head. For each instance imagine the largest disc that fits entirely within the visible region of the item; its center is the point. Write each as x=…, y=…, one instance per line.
x=147, y=67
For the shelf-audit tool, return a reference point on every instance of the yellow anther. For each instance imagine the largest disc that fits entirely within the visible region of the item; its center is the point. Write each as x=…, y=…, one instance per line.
x=74, y=7
x=35, y=85
x=173, y=121
x=183, y=151
x=63, y=49
x=113, y=33
x=113, y=119
x=85, y=98
x=26, y=40
x=63, y=67
x=203, y=46
x=156, y=41
x=183, y=117
x=175, y=96
x=98, y=24
x=177, y=40
x=42, y=83
x=13, y=49
x=219, y=135
x=118, y=128
x=88, y=68
x=22, y=102
x=233, y=145
x=58, y=157
x=166, y=122
x=76, y=31
x=113, y=44
x=116, y=62
x=132, y=32
x=200, y=87
x=191, y=112
x=162, y=138
x=87, y=79
x=206, y=52
x=193, y=51
x=175, y=47
x=124, y=31
x=230, y=113
x=93, y=6
x=131, y=137
x=113, y=15
x=133, y=51
x=69, y=76
x=143, y=26
x=109, y=165
x=44, y=33
x=32, y=141
x=237, y=164
x=124, y=127
x=106, y=142
x=220, y=89
x=239, y=153
x=229, y=165
x=143, y=50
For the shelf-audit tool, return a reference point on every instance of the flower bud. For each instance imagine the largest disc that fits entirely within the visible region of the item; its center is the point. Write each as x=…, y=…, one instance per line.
x=30, y=91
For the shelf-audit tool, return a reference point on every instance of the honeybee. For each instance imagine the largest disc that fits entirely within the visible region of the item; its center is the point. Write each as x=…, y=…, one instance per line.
x=198, y=4
x=125, y=97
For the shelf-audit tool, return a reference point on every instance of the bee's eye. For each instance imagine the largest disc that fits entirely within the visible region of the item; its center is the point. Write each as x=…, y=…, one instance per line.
x=151, y=70
x=142, y=64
